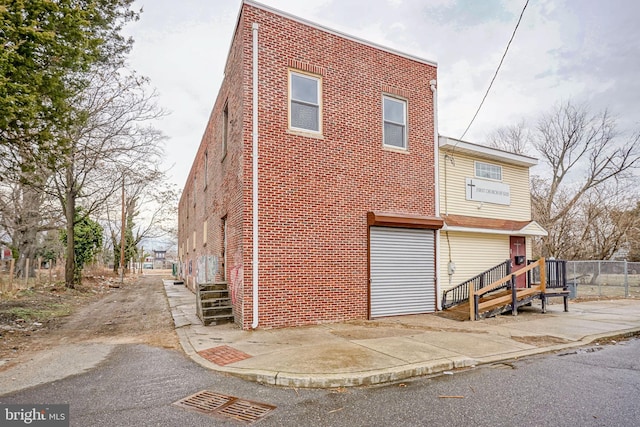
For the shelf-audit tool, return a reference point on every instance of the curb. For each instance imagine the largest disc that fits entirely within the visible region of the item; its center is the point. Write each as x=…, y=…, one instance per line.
x=382, y=376
x=377, y=376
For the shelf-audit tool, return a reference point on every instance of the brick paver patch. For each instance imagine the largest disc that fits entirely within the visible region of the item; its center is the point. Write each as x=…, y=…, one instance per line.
x=223, y=355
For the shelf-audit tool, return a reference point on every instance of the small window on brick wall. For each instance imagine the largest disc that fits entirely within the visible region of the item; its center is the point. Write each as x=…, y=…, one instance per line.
x=204, y=234
x=305, y=103
x=205, y=178
x=225, y=129
x=394, y=113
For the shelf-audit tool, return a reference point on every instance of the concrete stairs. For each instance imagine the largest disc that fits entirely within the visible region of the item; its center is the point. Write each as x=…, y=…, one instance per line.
x=213, y=303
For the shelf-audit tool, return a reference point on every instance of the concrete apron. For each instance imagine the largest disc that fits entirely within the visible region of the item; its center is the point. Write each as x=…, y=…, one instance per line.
x=393, y=349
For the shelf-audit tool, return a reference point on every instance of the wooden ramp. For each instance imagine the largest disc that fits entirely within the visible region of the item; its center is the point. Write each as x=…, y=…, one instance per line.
x=494, y=291
x=493, y=304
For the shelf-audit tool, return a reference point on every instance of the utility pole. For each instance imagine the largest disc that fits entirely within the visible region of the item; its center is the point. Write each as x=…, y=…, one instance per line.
x=122, y=236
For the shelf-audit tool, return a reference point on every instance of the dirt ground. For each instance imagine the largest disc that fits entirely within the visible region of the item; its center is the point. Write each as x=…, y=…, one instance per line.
x=135, y=312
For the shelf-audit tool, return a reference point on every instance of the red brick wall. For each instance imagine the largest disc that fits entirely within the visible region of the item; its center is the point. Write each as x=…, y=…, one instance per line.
x=315, y=192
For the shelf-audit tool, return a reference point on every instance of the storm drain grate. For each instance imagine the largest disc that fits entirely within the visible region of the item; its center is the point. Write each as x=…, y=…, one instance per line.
x=204, y=401
x=210, y=403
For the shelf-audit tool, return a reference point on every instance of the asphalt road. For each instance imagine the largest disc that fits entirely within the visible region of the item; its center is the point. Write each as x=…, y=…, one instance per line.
x=137, y=384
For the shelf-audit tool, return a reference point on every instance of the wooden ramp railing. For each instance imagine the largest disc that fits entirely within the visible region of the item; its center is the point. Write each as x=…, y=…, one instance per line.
x=515, y=297
x=545, y=278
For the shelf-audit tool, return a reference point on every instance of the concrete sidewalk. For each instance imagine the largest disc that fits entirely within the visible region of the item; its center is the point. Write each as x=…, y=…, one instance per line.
x=377, y=351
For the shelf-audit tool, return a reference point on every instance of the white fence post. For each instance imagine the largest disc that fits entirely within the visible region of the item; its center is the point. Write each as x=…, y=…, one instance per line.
x=626, y=279
x=599, y=280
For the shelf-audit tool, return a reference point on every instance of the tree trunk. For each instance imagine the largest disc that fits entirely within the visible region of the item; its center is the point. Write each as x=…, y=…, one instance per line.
x=70, y=278
x=27, y=247
x=27, y=225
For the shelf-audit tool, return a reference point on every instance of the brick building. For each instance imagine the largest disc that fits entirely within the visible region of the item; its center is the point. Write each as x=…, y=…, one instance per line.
x=338, y=134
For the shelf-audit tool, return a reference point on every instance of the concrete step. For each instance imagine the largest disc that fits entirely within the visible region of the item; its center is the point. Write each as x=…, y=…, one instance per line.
x=216, y=319
x=213, y=286
x=216, y=302
x=220, y=293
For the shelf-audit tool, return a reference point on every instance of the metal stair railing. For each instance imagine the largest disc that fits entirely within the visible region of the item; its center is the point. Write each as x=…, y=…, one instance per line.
x=460, y=293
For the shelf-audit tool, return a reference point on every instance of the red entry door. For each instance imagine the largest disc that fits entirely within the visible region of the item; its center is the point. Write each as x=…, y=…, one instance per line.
x=518, y=251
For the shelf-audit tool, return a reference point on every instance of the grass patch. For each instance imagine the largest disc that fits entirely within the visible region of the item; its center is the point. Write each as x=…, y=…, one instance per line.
x=38, y=313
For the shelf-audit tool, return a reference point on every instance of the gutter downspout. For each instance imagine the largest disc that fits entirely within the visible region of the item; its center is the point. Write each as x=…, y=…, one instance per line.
x=436, y=183
x=254, y=272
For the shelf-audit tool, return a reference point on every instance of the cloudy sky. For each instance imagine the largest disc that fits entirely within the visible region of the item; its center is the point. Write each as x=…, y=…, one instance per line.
x=584, y=50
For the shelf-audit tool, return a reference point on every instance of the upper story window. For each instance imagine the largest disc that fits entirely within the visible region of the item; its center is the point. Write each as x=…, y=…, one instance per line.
x=195, y=191
x=225, y=129
x=304, y=102
x=394, y=112
x=205, y=178
x=487, y=170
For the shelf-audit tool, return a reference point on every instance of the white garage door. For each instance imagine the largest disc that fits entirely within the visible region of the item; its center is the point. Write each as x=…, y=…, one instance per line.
x=402, y=271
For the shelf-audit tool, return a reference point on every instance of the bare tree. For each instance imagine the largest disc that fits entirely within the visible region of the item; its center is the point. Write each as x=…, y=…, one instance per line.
x=25, y=213
x=513, y=138
x=632, y=244
x=150, y=204
x=112, y=136
x=602, y=223
x=583, y=158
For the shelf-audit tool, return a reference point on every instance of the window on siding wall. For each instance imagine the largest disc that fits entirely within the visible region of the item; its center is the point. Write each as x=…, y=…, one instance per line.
x=487, y=170
x=395, y=122
x=304, y=102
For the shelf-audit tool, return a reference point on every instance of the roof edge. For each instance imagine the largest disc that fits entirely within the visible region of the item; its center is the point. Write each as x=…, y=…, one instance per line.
x=446, y=142
x=338, y=33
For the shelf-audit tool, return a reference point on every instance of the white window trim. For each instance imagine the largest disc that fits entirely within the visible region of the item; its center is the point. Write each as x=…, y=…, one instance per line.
x=475, y=170
x=318, y=80
x=405, y=103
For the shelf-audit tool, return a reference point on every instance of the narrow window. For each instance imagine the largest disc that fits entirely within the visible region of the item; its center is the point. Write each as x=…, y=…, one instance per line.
x=304, y=102
x=225, y=129
x=205, y=179
x=487, y=170
x=223, y=274
x=395, y=122
x=204, y=234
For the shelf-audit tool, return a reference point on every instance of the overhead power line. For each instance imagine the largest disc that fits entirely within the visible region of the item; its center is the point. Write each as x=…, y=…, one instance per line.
x=497, y=69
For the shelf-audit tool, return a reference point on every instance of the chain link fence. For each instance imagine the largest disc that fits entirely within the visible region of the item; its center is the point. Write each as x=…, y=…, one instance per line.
x=603, y=279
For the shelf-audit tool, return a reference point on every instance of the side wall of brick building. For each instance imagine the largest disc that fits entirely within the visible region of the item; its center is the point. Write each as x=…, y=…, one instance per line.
x=315, y=191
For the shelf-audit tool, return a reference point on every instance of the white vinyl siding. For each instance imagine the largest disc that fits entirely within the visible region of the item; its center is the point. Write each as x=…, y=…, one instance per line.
x=453, y=188
x=472, y=254
x=402, y=271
